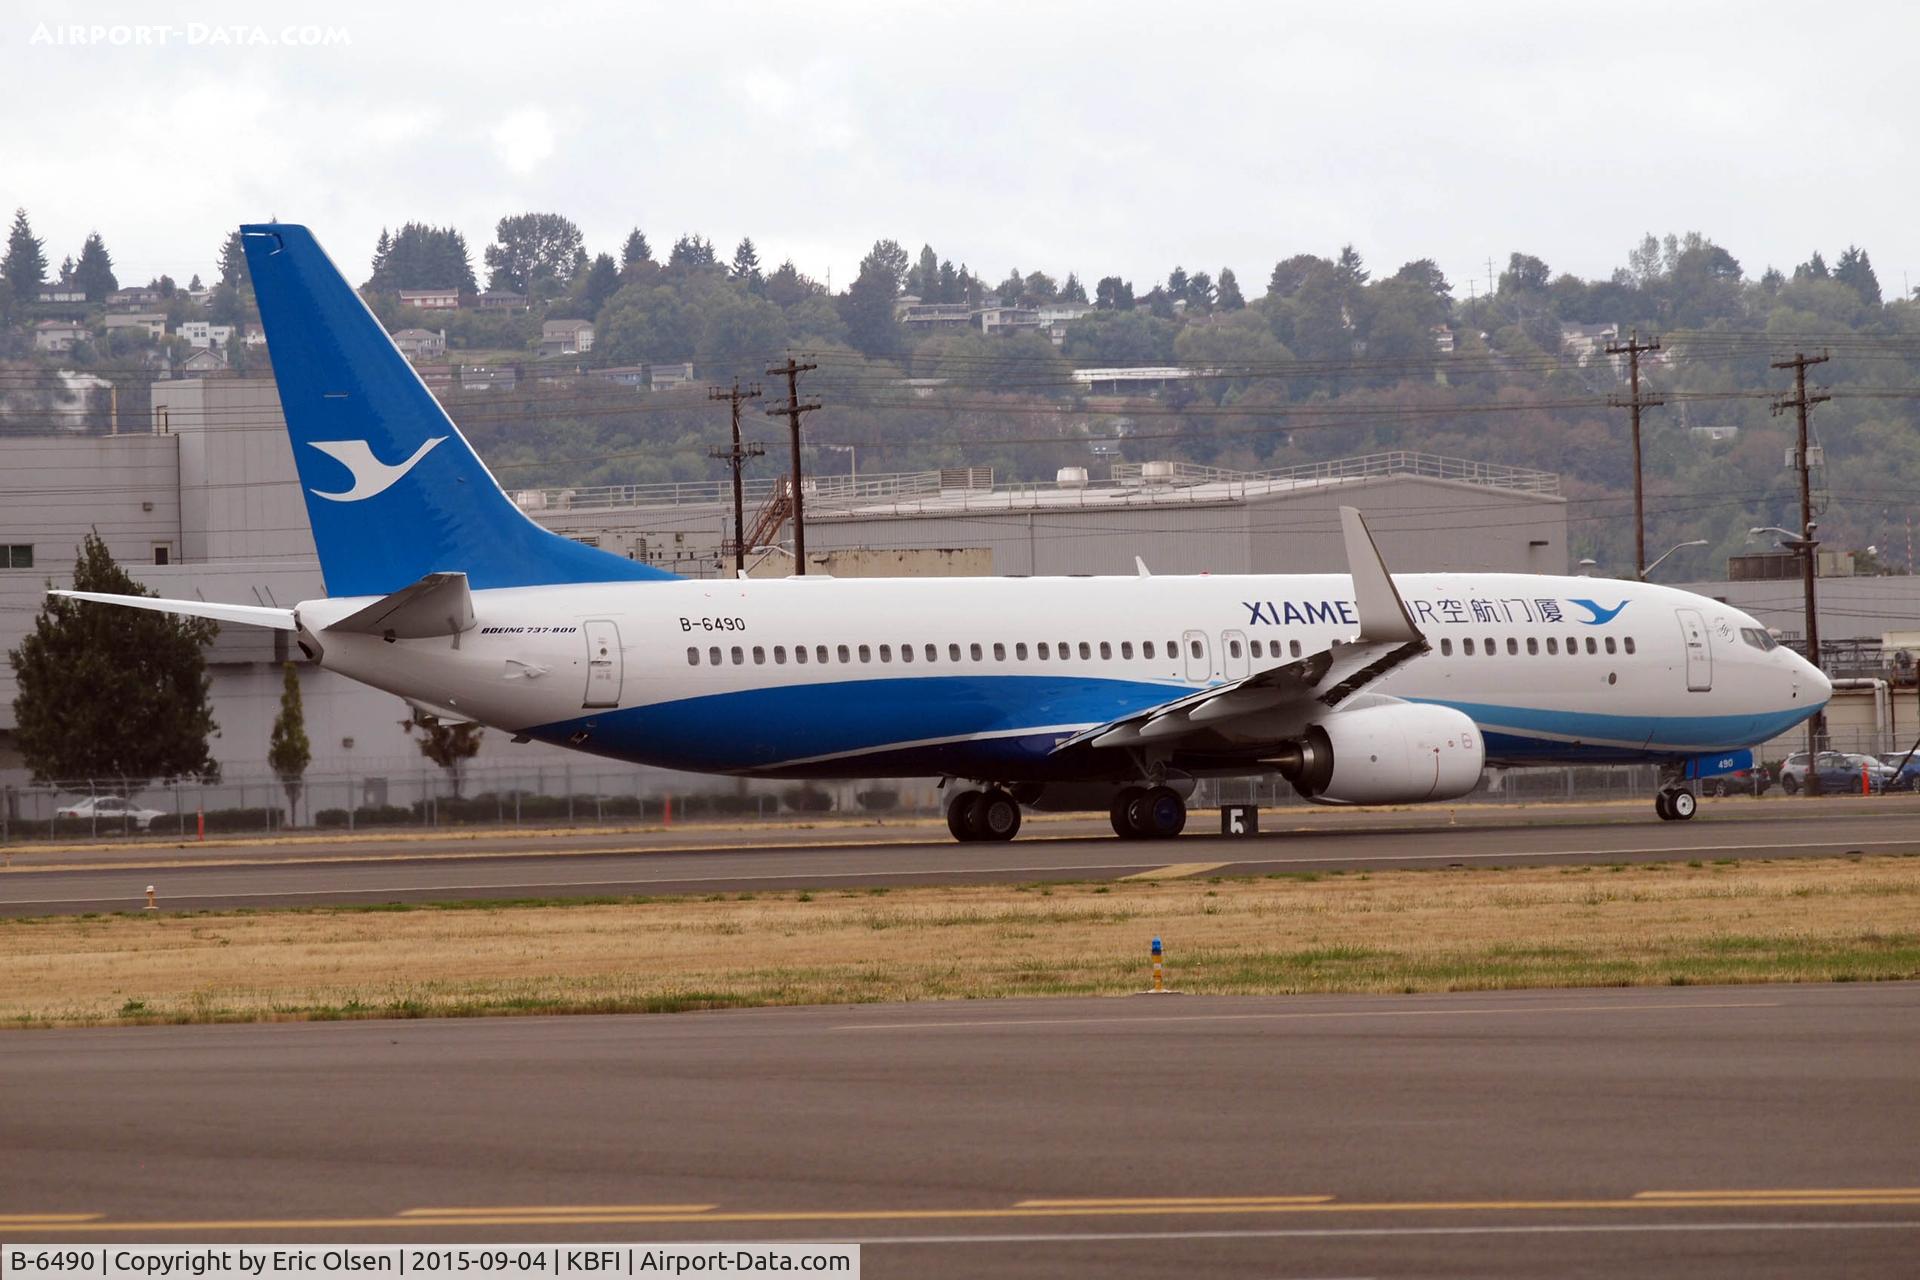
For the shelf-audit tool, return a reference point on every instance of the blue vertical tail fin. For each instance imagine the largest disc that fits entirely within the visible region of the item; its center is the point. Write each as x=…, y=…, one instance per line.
x=393, y=490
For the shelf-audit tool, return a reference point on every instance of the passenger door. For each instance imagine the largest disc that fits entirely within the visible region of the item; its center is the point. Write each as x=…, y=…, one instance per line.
x=1234, y=659
x=1693, y=630
x=1199, y=665
x=603, y=663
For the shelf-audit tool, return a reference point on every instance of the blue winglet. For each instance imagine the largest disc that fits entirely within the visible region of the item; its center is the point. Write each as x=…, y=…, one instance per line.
x=393, y=490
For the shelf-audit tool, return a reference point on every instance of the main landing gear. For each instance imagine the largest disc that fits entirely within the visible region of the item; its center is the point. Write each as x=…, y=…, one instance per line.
x=1148, y=813
x=1675, y=804
x=983, y=815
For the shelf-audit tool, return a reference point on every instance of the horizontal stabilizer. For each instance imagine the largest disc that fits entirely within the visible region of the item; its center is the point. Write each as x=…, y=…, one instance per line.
x=252, y=615
x=437, y=605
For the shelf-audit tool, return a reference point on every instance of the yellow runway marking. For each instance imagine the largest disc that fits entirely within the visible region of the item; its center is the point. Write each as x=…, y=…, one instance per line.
x=1171, y=1202
x=1799, y=1194
x=34, y=1219
x=1176, y=870
x=556, y=1210
x=1320, y=1205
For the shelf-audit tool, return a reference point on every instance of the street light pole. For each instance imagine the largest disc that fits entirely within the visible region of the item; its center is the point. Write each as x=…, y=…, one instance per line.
x=1805, y=545
x=1697, y=542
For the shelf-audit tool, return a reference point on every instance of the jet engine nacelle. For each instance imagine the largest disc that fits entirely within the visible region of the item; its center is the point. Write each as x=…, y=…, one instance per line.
x=1399, y=753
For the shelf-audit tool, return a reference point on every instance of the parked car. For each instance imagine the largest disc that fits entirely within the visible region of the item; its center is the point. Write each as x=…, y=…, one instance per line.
x=1840, y=773
x=1906, y=770
x=110, y=809
x=1740, y=782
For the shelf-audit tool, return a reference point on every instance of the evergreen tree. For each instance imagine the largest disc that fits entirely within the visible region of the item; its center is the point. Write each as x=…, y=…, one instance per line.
x=1855, y=270
x=193, y=285
x=1113, y=294
x=448, y=745
x=1177, y=284
x=949, y=284
x=603, y=281
x=288, y=752
x=1200, y=291
x=924, y=280
x=1228, y=296
x=233, y=262
x=867, y=308
x=1073, y=290
x=635, y=251
x=112, y=693
x=1353, y=273
x=382, y=256
x=746, y=264
x=25, y=266
x=66, y=271
x=1012, y=288
x=691, y=252
x=94, y=272
x=1814, y=268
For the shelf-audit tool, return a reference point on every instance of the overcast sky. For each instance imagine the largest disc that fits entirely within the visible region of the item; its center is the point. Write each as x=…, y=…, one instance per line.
x=1091, y=137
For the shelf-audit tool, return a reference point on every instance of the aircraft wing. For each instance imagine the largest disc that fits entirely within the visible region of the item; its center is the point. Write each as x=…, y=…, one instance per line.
x=1275, y=703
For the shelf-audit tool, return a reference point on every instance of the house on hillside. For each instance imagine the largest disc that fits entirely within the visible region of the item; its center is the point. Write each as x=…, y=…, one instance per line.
x=430, y=299
x=1583, y=341
x=58, y=336
x=153, y=322
x=488, y=377
x=421, y=344
x=204, y=333
x=671, y=377
x=1006, y=319
x=500, y=300
x=915, y=314
x=566, y=337
x=137, y=299
x=204, y=363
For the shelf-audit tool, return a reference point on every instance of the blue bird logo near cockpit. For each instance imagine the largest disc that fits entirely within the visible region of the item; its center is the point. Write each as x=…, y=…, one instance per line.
x=1601, y=613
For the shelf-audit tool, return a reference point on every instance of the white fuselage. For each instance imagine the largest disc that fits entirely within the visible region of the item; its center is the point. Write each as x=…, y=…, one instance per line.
x=979, y=677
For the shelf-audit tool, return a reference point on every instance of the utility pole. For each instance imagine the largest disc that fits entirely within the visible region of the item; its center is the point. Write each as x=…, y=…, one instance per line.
x=793, y=409
x=1800, y=401
x=736, y=458
x=1632, y=349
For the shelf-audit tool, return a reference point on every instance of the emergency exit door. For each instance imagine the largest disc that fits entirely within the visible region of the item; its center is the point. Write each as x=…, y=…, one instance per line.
x=1693, y=629
x=603, y=663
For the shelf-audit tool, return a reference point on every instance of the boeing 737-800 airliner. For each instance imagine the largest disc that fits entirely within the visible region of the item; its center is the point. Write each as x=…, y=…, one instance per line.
x=1066, y=692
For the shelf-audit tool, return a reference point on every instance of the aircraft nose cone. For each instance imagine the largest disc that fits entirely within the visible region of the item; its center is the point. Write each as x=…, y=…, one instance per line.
x=1819, y=688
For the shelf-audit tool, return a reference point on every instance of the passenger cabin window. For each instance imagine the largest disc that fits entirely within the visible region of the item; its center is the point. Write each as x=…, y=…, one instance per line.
x=886, y=653
x=759, y=656
x=1533, y=645
x=933, y=653
x=1295, y=647
x=693, y=657
x=1253, y=647
x=973, y=651
x=1771, y=642
x=1233, y=648
x=739, y=656
x=844, y=655
x=779, y=655
x=1553, y=645
x=800, y=654
x=1106, y=650
x=953, y=653
x=1513, y=647
x=866, y=654
x=1610, y=648
x=820, y=654
x=1042, y=650
x=713, y=656
x=906, y=653
x=1446, y=648
x=999, y=652
x=1466, y=646
x=1126, y=648
x=1146, y=648
x=1195, y=646
x=1020, y=651
x=1086, y=650
x=1593, y=646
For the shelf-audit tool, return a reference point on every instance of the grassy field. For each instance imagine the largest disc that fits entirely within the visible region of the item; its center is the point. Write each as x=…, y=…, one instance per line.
x=1852, y=919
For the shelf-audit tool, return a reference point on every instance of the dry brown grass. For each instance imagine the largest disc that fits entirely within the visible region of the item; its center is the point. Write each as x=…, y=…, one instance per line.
x=1798, y=920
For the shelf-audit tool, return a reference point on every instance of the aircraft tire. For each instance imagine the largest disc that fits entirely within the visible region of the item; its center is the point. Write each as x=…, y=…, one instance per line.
x=995, y=816
x=1682, y=805
x=1660, y=806
x=960, y=815
x=1121, y=813
x=1161, y=814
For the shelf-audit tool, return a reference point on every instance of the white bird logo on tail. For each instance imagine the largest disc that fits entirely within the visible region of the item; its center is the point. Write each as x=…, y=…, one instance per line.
x=370, y=475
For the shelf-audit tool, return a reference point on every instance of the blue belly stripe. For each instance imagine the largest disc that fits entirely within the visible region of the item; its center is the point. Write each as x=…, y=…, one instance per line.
x=896, y=727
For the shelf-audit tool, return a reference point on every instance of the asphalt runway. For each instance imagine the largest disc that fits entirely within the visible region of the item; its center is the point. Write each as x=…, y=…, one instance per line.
x=496, y=865
x=1750, y=1131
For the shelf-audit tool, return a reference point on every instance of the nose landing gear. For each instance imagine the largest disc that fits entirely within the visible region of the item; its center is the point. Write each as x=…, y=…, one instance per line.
x=1675, y=804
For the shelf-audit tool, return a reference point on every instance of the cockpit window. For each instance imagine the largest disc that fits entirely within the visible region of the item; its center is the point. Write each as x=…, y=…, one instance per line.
x=1759, y=639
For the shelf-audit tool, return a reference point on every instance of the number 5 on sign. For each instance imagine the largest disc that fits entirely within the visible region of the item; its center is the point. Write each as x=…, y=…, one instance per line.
x=1239, y=820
